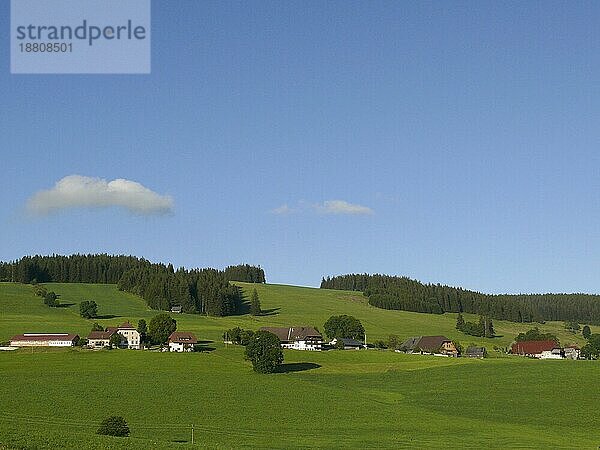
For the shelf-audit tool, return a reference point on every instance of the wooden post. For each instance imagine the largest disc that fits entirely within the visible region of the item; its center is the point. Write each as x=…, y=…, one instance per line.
x=192, y=434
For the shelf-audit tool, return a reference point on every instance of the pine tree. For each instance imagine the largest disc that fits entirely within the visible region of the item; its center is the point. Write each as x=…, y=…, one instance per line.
x=460, y=322
x=255, y=304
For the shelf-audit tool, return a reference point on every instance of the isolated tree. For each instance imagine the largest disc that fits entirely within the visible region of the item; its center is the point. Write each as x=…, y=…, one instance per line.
x=88, y=309
x=535, y=335
x=51, y=299
x=97, y=327
x=460, y=322
x=344, y=326
x=142, y=328
x=40, y=290
x=160, y=328
x=264, y=351
x=586, y=332
x=115, y=341
x=255, y=304
x=572, y=326
x=114, y=426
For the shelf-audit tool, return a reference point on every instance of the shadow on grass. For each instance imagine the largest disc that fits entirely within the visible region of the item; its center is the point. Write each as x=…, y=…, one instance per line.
x=204, y=349
x=297, y=367
x=270, y=312
x=106, y=316
x=65, y=305
x=205, y=342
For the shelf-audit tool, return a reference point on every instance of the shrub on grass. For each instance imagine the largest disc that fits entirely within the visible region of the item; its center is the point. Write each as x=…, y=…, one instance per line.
x=114, y=426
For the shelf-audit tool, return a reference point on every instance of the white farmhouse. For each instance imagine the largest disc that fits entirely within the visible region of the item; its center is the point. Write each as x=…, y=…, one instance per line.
x=182, y=341
x=130, y=337
x=297, y=338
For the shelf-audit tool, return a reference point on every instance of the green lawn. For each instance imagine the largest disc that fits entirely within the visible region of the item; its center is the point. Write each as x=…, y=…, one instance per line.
x=353, y=399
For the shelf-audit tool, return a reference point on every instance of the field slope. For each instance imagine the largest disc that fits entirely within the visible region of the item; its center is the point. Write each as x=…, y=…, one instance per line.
x=365, y=399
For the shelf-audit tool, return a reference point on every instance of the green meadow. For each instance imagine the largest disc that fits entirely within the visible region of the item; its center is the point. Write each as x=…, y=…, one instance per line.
x=53, y=398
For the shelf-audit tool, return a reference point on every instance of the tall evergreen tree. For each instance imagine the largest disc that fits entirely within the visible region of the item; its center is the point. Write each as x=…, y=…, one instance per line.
x=255, y=304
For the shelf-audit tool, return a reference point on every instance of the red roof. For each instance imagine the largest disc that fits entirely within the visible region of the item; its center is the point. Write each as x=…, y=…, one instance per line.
x=40, y=337
x=126, y=325
x=533, y=347
x=101, y=334
x=182, y=337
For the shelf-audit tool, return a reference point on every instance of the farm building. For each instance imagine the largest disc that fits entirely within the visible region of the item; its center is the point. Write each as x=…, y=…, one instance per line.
x=476, y=352
x=182, y=341
x=100, y=339
x=130, y=337
x=430, y=345
x=533, y=349
x=44, y=340
x=572, y=352
x=349, y=344
x=297, y=338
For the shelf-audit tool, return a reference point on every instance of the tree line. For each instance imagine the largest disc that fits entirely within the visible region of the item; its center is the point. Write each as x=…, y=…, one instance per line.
x=202, y=291
x=403, y=293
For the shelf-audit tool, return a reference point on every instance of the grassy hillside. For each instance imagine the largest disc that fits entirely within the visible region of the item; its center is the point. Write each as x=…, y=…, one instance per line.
x=56, y=397
x=21, y=312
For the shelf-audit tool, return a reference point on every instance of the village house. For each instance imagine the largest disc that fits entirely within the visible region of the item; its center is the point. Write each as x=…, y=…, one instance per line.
x=534, y=349
x=297, y=338
x=430, y=345
x=349, y=344
x=182, y=341
x=476, y=352
x=130, y=337
x=100, y=339
x=572, y=352
x=44, y=340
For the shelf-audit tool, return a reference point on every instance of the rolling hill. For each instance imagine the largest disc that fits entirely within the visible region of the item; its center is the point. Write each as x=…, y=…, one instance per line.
x=56, y=397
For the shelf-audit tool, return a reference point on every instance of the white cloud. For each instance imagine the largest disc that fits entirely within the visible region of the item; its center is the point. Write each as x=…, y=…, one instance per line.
x=327, y=207
x=76, y=191
x=342, y=207
x=283, y=210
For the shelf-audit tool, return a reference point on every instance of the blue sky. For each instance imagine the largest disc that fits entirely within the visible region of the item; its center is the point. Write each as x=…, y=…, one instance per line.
x=462, y=136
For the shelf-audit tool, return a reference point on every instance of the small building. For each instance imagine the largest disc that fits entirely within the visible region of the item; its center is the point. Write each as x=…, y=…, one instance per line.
x=555, y=353
x=572, y=352
x=476, y=352
x=100, y=339
x=533, y=349
x=349, y=344
x=130, y=337
x=297, y=338
x=44, y=340
x=182, y=341
x=176, y=309
x=430, y=345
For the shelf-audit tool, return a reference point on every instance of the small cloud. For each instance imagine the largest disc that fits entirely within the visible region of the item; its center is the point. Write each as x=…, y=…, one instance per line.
x=327, y=207
x=76, y=191
x=342, y=207
x=283, y=210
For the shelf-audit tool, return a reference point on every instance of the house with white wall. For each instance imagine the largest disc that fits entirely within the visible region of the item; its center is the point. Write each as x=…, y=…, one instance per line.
x=130, y=337
x=44, y=340
x=182, y=341
x=297, y=338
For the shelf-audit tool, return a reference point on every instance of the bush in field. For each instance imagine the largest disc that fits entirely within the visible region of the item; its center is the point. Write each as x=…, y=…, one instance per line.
x=238, y=336
x=264, y=351
x=88, y=309
x=586, y=332
x=114, y=426
x=51, y=299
